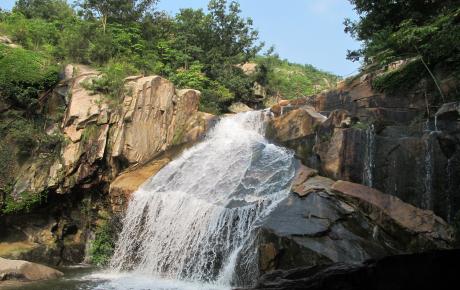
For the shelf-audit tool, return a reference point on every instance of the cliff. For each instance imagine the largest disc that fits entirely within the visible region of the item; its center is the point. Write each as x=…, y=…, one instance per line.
x=405, y=143
x=102, y=141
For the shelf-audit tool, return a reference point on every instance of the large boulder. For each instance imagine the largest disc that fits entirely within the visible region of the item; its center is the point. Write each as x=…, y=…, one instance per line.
x=152, y=119
x=407, y=216
x=341, y=153
x=23, y=270
x=239, y=107
x=128, y=182
x=295, y=125
x=449, y=111
x=326, y=222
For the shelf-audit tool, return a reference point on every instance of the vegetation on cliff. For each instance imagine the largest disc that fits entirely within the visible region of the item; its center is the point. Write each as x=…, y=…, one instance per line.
x=291, y=80
x=427, y=33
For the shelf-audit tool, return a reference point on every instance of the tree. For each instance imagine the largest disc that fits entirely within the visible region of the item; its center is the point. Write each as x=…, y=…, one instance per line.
x=380, y=21
x=121, y=11
x=233, y=37
x=45, y=9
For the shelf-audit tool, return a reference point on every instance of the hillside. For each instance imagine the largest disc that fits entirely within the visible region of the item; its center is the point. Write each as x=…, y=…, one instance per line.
x=291, y=80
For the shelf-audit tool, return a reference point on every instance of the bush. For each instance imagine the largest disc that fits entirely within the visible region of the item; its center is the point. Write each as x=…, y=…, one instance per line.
x=401, y=79
x=34, y=34
x=102, y=247
x=112, y=82
x=24, y=75
x=25, y=202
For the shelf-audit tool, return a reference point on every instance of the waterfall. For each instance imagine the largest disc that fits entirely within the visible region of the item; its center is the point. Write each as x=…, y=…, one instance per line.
x=427, y=198
x=369, y=156
x=191, y=220
x=450, y=182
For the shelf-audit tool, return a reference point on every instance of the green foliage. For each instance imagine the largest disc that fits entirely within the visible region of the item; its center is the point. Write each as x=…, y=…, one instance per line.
x=393, y=30
x=6, y=167
x=45, y=9
x=103, y=245
x=115, y=10
x=23, y=76
x=111, y=83
x=25, y=202
x=192, y=78
x=401, y=79
x=293, y=80
x=34, y=34
x=215, y=96
x=89, y=133
x=195, y=48
x=360, y=125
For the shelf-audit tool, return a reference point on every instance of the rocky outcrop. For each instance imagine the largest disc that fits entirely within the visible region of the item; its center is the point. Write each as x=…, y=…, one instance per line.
x=325, y=221
x=105, y=141
x=128, y=182
x=104, y=138
x=151, y=120
x=295, y=124
x=258, y=90
x=414, y=219
x=23, y=270
x=388, y=141
x=239, y=108
x=7, y=41
x=431, y=270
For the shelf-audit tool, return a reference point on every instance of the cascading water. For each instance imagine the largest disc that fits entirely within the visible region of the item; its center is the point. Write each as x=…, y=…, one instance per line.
x=427, y=198
x=190, y=221
x=369, y=156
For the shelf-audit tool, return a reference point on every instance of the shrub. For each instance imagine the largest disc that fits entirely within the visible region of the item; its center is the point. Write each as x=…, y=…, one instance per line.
x=102, y=247
x=401, y=79
x=112, y=82
x=25, y=202
x=24, y=75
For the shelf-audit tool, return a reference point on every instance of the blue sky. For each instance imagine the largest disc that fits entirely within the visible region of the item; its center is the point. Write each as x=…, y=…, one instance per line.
x=302, y=31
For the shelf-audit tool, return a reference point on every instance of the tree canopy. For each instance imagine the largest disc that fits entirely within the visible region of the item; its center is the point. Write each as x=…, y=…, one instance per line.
x=398, y=29
x=194, y=48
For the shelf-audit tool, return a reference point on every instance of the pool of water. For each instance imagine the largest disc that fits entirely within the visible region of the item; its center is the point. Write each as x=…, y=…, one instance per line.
x=83, y=278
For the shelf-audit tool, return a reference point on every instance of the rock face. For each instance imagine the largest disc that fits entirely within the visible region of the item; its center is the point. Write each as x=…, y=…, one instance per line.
x=326, y=222
x=23, y=270
x=431, y=270
x=128, y=182
x=103, y=139
x=152, y=119
x=239, y=108
x=384, y=140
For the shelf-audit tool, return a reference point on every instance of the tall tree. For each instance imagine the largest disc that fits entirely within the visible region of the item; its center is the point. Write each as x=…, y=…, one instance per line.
x=120, y=11
x=233, y=35
x=45, y=9
x=381, y=20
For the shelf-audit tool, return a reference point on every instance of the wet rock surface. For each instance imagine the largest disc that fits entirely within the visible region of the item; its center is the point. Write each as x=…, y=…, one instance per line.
x=23, y=270
x=430, y=270
x=387, y=141
x=344, y=222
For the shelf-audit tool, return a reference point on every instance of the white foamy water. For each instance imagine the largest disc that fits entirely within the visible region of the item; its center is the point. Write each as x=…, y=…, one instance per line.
x=134, y=281
x=191, y=220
